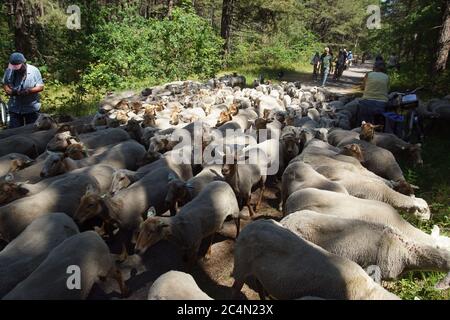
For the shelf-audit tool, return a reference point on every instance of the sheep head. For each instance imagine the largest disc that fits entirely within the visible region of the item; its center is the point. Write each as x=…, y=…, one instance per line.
x=233, y=109
x=20, y=162
x=421, y=209
x=404, y=187
x=290, y=146
x=136, y=106
x=153, y=230
x=353, y=150
x=53, y=165
x=149, y=118
x=225, y=116
x=414, y=152
x=175, y=118
x=120, y=181
x=76, y=151
x=91, y=206
x=177, y=192
x=45, y=122
x=122, y=105
x=368, y=131
x=11, y=191
x=64, y=136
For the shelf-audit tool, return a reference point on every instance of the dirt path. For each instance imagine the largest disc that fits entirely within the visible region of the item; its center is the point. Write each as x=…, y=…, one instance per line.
x=349, y=83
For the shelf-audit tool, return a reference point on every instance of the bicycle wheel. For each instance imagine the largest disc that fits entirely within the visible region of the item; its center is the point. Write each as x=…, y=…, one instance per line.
x=4, y=114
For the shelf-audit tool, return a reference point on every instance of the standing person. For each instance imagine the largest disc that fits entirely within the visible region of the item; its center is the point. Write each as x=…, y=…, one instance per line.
x=375, y=98
x=393, y=62
x=326, y=65
x=350, y=58
x=315, y=61
x=23, y=83
x=340, y=65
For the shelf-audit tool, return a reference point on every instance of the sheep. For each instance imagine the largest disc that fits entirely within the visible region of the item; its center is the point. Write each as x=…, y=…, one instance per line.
x=200, y=218
x=299, y=175
x=124, y=178
x=368, y=244
x=62, y=195
x=245, y=178
x=175, y=285
x=181, y=192
x=25, y=253
x=400, y=148
x=94, y=140
x=289, y=267
x=348, y=158
x=382, y=162
x=125, y=155
x=14, y=162
x=347, y=206
x=45, y=122
x=129, y=207
x=338, y=137
x=373, y=189
x=50, y=280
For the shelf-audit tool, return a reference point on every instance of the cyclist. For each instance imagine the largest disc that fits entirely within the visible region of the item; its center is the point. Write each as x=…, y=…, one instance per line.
x=375, y=98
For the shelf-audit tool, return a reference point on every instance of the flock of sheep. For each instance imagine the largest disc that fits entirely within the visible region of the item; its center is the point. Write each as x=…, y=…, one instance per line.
x=75, y=190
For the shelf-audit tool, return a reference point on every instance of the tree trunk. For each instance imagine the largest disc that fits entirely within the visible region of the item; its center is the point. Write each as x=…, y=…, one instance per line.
x=22, y=21
x=444, y=41
x=169, y=8
x=225, y=29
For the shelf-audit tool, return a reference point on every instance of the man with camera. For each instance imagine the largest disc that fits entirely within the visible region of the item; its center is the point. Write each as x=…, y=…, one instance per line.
x=22, y=82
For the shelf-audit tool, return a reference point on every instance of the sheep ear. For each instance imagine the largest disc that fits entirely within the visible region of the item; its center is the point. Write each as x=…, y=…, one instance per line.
x=415, y=187
x=189, y=185
x=151, y=212
x=436, y=232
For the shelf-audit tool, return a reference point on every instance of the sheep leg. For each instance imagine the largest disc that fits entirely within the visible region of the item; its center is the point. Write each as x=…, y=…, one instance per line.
x=208, y=253
x=258, y=204
x=117, y=275
x=124, y=254
x=237, y=287
x=237, y=221
x=260, y=290
x=249, y=206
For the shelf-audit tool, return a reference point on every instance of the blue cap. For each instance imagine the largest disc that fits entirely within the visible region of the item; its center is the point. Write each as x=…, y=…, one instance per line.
x=17, y=58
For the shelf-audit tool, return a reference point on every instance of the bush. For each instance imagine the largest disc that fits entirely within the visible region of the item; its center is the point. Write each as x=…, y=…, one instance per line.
x=137, y=49
x=280, y=49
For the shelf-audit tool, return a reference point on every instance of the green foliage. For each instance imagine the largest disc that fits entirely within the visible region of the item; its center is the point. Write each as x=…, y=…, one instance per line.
x=136, y=48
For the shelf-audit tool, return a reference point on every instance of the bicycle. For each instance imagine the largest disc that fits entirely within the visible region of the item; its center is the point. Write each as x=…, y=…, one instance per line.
x=402, y=109
x=4, y=114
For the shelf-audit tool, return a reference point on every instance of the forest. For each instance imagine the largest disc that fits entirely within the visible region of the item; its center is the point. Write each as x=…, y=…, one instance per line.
x=137, y=43
x=87, y=49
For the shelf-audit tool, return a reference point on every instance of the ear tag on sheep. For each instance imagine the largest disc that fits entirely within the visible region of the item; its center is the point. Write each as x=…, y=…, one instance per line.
x=189, y=185
x=172, y=177
x=104, y=196
x=9, y=177
x=151, y=212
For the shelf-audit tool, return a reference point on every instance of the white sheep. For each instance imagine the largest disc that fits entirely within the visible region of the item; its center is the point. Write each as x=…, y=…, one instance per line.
x=368, y=243
x=25, y=253
x=90, y=256
x=175, y=285
x=289, y=267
